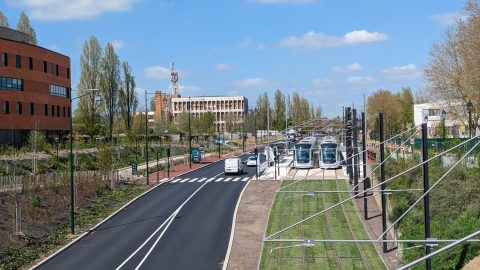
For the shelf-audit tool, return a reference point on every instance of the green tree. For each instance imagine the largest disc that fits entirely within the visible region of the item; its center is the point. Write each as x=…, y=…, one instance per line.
x=152, y=104
x=279, y=110
x=3, y=20
x=138, y=124
x=24, y=26
x=128, y=99
x=110, y=81
x=88, y=112
x=405, y=97
x=383, y=101
x=262, y=108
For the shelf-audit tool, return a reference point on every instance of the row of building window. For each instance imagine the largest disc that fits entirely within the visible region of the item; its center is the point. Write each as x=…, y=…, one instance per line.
x=59, y=91
x=47, y=66
x=56, y=111
x=11, y=83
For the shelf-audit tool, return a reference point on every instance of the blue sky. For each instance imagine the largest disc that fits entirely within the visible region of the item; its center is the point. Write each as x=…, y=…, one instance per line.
x=330, y=51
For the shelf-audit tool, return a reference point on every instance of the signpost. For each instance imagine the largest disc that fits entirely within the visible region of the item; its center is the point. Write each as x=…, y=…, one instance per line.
x=134, y=168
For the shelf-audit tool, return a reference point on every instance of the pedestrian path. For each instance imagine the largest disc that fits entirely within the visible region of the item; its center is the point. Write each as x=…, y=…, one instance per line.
x=181, y=180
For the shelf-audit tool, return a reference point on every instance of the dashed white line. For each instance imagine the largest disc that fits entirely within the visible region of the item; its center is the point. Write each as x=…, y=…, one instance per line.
x=210, y=179
x=203, y=179
x=176, y=180
x=245, y=179
x=236, y=179
x=219, y=179
x=193, y=180
x=184, y=180
x=228, y=179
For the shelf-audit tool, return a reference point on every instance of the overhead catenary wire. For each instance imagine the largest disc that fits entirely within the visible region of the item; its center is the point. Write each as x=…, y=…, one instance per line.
x=432, y=187
x=372, y=188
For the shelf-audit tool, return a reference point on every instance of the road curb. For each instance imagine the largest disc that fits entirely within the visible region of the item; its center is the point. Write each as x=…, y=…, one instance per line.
x=232, y=233
x=80, y=237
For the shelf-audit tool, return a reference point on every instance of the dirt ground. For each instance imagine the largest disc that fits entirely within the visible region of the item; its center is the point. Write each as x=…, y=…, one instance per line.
x=252, y=218
x=473, y=264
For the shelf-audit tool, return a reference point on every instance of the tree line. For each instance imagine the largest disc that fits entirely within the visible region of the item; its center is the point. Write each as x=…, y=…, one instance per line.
x=286, y=109
x=106, y=91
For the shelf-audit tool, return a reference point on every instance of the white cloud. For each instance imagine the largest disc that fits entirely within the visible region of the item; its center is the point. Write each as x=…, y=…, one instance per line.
x=313, y=40
x=260, y=47
x=400, y=69
x=448, y=18
x=321, y=82
x=360, y=80
x=61, y=10
x=273, y=2
x=348, y=68
x=157, y=73
x=117, y=44
x=224, y=67
x=256, y=82
x=406, y=72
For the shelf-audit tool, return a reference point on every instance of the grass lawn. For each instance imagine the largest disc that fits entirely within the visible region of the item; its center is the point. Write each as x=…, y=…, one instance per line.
x=338, y=223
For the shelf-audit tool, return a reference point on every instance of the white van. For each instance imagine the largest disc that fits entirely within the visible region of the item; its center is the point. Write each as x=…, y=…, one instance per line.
x=233, y=165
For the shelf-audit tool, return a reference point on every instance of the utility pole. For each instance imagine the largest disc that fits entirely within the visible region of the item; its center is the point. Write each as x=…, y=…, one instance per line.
x=355, y=151
x=426, y=198
x=146, y=135
x=189, y=134
x=366, y=182
x=382, y=179
x=268, y=133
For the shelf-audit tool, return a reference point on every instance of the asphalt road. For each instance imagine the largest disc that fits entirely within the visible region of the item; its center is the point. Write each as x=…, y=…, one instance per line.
x=194, y=236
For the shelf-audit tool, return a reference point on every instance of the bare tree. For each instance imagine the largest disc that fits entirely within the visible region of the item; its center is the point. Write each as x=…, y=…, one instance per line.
x=88, y=111
x=3, y=20
x=24, y=26
x=452, y=73
x=128, y=99
x=109, y=86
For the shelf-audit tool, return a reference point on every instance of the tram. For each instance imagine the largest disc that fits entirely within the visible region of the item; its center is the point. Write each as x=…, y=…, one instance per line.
x=329, y=154
x=304, y=153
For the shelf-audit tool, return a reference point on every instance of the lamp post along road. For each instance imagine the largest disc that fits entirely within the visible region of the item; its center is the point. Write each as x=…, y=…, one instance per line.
x=72, y=188
x=189, y=134
x=444, y=115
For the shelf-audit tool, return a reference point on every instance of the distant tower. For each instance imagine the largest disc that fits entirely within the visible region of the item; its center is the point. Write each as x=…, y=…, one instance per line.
x=173, y=79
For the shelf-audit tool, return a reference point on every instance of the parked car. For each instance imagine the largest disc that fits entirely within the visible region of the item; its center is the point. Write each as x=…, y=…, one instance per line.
x=252, y=161
x=233, y=166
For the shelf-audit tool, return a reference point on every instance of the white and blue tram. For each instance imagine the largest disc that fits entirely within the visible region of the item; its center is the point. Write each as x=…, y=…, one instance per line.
x=329, y=154
x=304, y=153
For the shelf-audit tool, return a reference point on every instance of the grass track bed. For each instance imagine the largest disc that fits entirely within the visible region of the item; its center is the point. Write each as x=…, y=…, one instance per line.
x=289, y=208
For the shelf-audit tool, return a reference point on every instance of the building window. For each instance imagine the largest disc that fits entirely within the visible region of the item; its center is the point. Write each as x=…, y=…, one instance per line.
x=30, y=63
x=19, y=108
x=45, y=67
x=46, y=109
x=64, y=111
x=11, y=83
x=6, y=107
x=68, y=73
x=56, y=70
x=59, y=91
x=32, y=109
x=69, y=113
x=53, y=110
x=58, y=111
x=4, y=59
x=18, y=61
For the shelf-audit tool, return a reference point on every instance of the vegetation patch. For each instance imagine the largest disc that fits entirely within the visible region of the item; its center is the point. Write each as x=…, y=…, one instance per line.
x=338, y=223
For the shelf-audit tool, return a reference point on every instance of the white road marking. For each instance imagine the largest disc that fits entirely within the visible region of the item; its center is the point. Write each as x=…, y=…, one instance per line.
x=176, y=180
x=245, y=179
x=228, y=179
x=184, y=180
x=219, y=179
x=210, y=179
x=236, y=179
x=203, y=179
x=193, y=180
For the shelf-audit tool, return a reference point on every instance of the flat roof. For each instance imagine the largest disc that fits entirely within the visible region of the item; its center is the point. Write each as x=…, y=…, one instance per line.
x=20, y=37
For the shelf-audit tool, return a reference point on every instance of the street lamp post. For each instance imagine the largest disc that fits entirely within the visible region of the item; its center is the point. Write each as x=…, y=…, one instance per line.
x=72, y=191
x=469, y=110
x=146, y=136
x=189, y=134
x=444, y=115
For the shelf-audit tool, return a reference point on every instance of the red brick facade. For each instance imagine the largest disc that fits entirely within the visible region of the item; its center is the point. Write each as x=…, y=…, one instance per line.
x=36, y=89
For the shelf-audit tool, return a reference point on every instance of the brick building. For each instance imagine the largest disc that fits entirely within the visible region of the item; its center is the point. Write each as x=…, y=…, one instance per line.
x=35, y=89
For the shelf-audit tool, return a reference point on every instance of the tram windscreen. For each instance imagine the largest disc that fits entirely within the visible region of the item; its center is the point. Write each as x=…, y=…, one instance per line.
x=329, y=153
x=302, y=153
